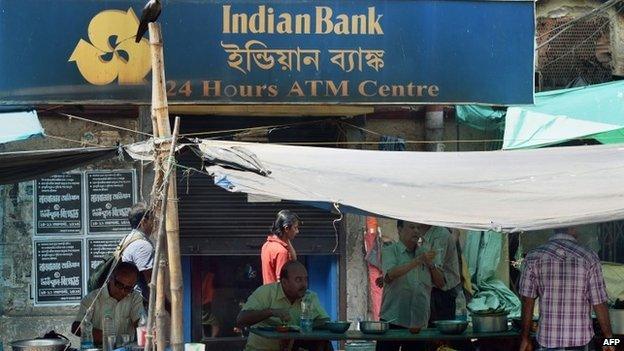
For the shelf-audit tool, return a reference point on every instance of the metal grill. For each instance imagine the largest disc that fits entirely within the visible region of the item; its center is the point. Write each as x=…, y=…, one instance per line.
x=612, y=241
x=582, y=51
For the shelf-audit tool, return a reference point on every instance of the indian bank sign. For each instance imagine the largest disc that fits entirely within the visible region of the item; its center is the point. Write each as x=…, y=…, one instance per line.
x=293, y=52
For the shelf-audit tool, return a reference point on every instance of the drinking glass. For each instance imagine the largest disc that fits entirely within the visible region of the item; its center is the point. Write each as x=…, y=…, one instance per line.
x=111, y=340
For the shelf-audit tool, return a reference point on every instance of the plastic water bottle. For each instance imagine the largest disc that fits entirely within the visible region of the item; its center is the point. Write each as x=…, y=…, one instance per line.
x=86, y=335
x=305, y=322
x=108, y=330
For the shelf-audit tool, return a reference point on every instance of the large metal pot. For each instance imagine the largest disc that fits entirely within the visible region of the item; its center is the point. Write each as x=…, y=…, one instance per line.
x=40, y=345
x=490, y=323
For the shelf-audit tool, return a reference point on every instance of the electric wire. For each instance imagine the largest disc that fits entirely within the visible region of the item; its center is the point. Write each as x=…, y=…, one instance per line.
x=103, y=123
x=83, y=143
x=270, y=128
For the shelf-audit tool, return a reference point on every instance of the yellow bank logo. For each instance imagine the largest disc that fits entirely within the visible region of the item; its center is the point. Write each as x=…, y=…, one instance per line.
x=111, y=52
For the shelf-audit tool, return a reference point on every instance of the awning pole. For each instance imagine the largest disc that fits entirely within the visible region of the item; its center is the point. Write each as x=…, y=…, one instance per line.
x=161, y=112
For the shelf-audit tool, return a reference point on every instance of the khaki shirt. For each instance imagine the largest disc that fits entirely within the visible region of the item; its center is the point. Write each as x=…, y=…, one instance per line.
x=125, y=312
x=405, y=300
x=441, y=240
x=271, y=296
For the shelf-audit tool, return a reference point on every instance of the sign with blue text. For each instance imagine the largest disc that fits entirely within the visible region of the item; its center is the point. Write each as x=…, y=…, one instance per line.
x=270, y=52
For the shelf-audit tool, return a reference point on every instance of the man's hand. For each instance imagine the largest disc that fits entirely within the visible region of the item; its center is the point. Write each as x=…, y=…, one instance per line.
x=281, y=314
x=526, y=344
x=427, y=257
x=291, y=250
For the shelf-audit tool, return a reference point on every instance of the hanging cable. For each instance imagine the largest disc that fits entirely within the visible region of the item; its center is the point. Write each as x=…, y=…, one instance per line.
x=75, y=141
x=269, y=128
x=102, y=123
x=336, y=206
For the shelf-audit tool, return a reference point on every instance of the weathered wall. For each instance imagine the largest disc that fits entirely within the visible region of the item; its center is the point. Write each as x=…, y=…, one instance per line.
x=577, y=8
x=19, y=318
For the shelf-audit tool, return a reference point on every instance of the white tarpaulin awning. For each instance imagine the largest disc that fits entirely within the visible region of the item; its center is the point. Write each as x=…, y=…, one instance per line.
x=19, y=126
x=499, y=190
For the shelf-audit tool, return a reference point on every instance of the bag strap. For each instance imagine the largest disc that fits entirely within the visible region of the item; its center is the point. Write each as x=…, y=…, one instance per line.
x=124, y=243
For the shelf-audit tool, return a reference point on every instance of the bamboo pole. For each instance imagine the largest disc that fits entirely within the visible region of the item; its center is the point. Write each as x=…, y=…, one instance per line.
x=161, y=112
x=161, y=240
x=161, y=326
x=175, y=266
x=160, y=109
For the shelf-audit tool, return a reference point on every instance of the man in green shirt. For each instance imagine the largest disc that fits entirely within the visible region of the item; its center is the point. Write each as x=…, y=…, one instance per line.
x=444, y=292
x=408, y=278
x=278, y=304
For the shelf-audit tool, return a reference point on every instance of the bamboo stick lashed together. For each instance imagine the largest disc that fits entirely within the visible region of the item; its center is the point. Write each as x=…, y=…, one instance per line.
x=158, y=273
x=161, y=113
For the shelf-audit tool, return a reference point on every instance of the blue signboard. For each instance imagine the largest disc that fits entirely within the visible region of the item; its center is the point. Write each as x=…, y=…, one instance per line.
x=273, y=52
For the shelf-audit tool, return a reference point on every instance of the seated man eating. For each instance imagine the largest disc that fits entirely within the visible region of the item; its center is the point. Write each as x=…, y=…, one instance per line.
x=279, y=303
x=118, y=298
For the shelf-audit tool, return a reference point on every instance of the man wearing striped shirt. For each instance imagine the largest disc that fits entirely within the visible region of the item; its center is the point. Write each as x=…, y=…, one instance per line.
x=568, y=280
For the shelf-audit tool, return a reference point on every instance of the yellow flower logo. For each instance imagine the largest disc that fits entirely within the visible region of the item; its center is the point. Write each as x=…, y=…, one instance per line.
x=111, y=52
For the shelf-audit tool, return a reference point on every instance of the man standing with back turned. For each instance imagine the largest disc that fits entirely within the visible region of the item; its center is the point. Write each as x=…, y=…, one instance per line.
x=568, y=279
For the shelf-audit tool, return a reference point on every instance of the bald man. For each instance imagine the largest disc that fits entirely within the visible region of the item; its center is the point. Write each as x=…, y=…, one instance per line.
x=279, y=303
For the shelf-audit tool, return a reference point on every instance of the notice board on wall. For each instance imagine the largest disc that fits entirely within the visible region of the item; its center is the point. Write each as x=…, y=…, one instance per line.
x=58, y=271
x=110, y=196
x=99, y=250
x=58, y=204
x=79, y=218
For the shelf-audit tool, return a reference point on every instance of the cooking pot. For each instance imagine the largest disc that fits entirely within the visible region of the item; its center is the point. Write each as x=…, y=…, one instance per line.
x=40, y=345
x=489, y=323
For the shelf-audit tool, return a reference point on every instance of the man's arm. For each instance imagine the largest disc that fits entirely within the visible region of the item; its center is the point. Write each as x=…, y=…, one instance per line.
x=280, y=260
x=401, y=270
x=528, y=303
x=437, y=277
x=247, y=318
x=291, y=251
x=602, y=314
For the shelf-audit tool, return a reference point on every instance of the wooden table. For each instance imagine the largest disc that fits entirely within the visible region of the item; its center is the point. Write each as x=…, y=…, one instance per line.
x=390, y=335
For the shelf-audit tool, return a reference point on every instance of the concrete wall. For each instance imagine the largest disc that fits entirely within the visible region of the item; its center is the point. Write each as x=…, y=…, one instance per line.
x=19, y=318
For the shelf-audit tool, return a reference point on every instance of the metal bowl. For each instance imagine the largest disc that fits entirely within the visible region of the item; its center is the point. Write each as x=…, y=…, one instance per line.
x=40, y=345
x=451, y=326
x=338, y=326
x=373, y=327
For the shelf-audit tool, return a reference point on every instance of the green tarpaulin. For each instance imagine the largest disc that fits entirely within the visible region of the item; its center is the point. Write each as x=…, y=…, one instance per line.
x=481, y=117
x=589, y=112
x=595, y=111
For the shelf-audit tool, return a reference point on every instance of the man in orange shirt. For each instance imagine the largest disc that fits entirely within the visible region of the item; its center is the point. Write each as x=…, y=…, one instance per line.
x=278, y=250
